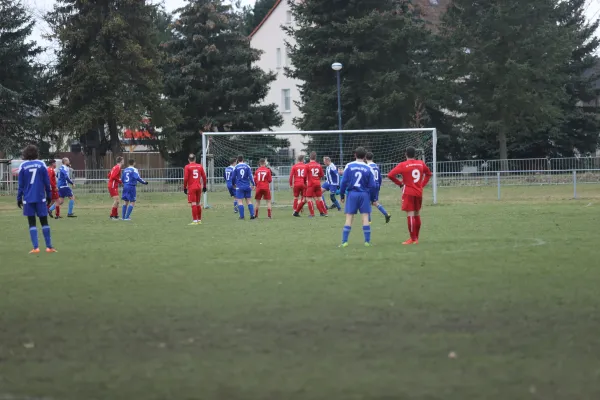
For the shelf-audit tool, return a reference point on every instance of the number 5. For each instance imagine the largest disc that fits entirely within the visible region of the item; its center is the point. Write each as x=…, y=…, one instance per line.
x=195, y=174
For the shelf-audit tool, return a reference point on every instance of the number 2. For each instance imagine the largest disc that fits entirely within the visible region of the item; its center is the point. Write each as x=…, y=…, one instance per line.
x=33, y=174
x=195, y=174
x=358, y=176
x=416, y=174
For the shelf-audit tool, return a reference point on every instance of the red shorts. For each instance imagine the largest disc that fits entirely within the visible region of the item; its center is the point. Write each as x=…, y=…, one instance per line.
x=262, y=194
x=194, y=195
x=54, y=195
x=299, y=191
x=113, y=191
x=314, y=191
x=411, y=203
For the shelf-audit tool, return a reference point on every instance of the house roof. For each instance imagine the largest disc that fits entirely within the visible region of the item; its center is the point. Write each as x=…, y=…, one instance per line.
x=265, y=18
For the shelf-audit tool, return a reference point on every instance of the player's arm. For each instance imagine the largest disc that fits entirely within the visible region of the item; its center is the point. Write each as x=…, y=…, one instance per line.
x=292, y=172
x=393, y=175
x=426, y=175
x=233, y=177
x=252, y=182
x=47, y=187
x=256, y=175
x=269, y=175
x=139, y=179
x=204, y=180
x=68, y=178
x=372, y=184
x=21, y=188
x=343, y=186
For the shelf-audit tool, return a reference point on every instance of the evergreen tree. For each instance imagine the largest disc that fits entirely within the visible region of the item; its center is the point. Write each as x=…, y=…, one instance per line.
x=212, y=82
x=506, y=65
x=107, y=73
x=386, y=52
x=20, y=79
x=253, y=16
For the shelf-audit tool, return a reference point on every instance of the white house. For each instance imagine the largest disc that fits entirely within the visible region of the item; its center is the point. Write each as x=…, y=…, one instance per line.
x=269, y=37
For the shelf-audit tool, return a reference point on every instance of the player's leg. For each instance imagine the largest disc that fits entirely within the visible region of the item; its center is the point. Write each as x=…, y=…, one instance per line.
x=324, y=188
x=239, y=195
x=124, y=209
x=365, y=212
x=334, y=202
x=347, y=228
x=191, y=198
x=418, y=204
x=269, y=208
x=248, y=197
x=198, y=209
x=114, y=212
x=320, y=201
x=235, y=201
x=130, y=208
x=267, y=197
x=256, y=208
x=71, y=204
x=42, y=214
x=408, y=205
x=29, y=212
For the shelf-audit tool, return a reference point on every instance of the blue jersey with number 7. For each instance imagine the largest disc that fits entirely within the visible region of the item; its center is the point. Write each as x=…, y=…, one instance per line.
x=34, y=182
x=358, y=177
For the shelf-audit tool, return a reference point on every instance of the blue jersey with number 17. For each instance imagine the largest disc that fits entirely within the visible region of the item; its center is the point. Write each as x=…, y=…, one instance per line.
x=228, y=175
x=358, y=177
x=242, y=177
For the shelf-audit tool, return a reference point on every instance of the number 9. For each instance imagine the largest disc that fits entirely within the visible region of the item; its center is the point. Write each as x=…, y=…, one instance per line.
x=416, y=174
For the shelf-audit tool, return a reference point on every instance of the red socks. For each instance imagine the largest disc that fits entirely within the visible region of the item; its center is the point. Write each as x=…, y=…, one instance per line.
x=300, y=206
x=311, y=208
x=418, y=225
x=58, y=211
x=268, y=212
x=295, y=204
x=321, y=207
x=114, y=212
x=197, y=213
x=256, y=213
x=414, y=226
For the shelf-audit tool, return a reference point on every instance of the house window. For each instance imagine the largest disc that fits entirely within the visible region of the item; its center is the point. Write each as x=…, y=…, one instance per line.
x=278, y=55
x=287, y=57
x=288, y=17
x=286, y=100
x=433, y=2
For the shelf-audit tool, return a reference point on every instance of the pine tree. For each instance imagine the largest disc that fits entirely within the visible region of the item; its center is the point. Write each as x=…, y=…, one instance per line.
x=386, y=52
x=20, y=78
x=107, y=73
x=506, y=66
x=212, y=81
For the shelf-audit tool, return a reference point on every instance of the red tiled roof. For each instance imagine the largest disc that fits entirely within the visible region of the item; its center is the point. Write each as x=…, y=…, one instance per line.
x=265, y=18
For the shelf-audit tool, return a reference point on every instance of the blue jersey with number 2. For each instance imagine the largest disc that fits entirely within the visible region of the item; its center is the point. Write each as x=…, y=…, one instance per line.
x=358, y=177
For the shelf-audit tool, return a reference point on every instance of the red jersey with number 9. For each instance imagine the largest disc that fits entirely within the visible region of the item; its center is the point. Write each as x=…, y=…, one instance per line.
x=315, y=173
x=415, y=176
x=194, y=177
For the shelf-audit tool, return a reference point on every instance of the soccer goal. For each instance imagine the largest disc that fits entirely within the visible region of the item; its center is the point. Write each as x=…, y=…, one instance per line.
x=281, y=150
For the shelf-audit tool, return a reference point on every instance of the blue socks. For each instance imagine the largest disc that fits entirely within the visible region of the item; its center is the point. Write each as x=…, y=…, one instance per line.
x=241, y=210
x=52, y=208
x=346, y=233
x=34, y=237
x=334, y=201
x=47, y=238
x=367, y=233
x=369, y=217
x=129, y=211
x=235, y=204
x=71, y=205
x=380, y=208
x=251, y=210
x=124, y=211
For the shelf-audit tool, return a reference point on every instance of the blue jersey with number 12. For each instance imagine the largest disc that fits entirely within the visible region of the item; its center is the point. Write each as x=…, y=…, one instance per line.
x=358, y=177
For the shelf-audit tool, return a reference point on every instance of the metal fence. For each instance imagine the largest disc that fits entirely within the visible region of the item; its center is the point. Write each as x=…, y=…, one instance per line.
x=465, y=173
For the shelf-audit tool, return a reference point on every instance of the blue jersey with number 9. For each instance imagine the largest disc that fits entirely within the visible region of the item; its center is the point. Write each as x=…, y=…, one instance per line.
x=358, y=177
x=242, y=176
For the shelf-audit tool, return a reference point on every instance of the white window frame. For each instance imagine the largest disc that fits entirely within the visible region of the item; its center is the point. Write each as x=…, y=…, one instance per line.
x=288, y=17
x=278, y=57
x=283, y=101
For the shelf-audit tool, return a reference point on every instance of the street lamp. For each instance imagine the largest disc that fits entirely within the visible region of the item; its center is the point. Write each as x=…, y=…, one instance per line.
x=337, y=67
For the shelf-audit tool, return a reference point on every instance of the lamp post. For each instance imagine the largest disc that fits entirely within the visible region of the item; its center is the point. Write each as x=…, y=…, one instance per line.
x=337, y=67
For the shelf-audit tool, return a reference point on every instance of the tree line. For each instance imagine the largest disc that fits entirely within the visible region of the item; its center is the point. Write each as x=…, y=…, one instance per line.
x=502, y=79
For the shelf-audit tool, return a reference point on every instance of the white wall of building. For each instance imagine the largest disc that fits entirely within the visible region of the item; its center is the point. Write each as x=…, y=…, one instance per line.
x=270, y=38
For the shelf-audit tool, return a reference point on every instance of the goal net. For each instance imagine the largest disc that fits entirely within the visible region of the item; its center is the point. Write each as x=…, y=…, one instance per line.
x=281, y=150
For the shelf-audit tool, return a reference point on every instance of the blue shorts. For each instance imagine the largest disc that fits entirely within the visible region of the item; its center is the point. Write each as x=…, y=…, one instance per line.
x=375, y=194
x=65, y=192
x=243, y=193
x=331, y=188
x=231, y=191
x=32, y=209
x=129, y=193
x=358, y=202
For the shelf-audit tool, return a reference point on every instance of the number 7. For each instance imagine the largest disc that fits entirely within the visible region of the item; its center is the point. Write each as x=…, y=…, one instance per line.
x=33, y=174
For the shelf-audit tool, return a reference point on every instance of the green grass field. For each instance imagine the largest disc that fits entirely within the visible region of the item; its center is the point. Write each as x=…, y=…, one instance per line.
x=273, y=309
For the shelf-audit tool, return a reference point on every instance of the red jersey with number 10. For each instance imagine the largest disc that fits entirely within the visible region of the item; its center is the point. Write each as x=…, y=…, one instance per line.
x=194, y=177
x=263, y=178
x=315, y=173
x=298, y=175
x=415, y=175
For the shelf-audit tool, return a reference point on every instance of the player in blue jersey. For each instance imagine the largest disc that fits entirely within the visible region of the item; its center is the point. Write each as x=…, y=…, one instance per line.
x=34, y=195
x=378, y=180
x=228, y=176
x=358, y=181
x=64, y=190
x=332, y=183
x=130, y=177
x=243, y=182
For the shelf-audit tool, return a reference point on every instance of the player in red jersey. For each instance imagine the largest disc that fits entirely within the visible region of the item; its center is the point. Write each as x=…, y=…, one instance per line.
x=114, y=180
x=298, y=184
x=313, y=186
x=263, y=178
x=54, y=189
x=194, y=184
x=415, y=176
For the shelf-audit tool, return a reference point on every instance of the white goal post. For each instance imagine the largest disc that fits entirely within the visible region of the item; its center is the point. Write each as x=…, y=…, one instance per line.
x=282, y=148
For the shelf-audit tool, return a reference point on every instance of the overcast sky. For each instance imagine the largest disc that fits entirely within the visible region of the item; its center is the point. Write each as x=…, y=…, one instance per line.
x=39, y=7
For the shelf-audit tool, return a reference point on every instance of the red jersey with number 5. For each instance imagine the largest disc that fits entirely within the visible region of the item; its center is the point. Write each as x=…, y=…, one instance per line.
x=194, y=177
x=298, y=175
x=263, y=178
x=315, y=173
x=415, y=175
